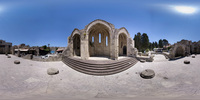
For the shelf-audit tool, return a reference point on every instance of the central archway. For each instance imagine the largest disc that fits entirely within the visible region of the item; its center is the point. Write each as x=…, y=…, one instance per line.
x=99, y=41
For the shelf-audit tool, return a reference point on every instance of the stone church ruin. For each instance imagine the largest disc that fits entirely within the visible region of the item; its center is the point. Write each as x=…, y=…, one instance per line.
x=100, y=39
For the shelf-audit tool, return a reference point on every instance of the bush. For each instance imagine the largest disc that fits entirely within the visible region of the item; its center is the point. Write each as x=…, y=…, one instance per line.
x=147, y=50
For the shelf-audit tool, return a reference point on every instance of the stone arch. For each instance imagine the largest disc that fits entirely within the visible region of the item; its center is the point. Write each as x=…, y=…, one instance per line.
x=76, y=45
x=122, y=37
x=122, y=43
x=101, y=34
x=75, y=31
x=179, y=51
x=98, y=21
x=109, y=28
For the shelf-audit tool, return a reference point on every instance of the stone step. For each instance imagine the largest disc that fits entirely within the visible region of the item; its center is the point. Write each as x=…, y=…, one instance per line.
x=99, y=69
x=99, y=73
x=102, y=65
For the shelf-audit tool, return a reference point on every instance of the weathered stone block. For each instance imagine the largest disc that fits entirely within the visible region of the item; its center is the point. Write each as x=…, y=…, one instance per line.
x=186, y=62
x=52, y=71
x=142, y=61
x=16, y=62
x=147, y=74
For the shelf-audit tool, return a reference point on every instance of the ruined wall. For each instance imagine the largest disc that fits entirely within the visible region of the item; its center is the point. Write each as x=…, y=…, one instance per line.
x=184, y=48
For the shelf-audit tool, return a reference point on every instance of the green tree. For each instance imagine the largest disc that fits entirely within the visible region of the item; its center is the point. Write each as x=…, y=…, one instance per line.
x=153, y=45
x=150, y=46
x=156, y=45
x=160, y=45
x=145, y=42
x=137, y=40
x=165, y=42
x=44, y=46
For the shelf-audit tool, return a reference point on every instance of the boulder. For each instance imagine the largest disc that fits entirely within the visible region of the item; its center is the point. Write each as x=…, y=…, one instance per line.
x=193, y=56
x=147, y=74
x=142, y=61
x=17, y=62
x=186, y=62
x=52, y=71
x=9, y=56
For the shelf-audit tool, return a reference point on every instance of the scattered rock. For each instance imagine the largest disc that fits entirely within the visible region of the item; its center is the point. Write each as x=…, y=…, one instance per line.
x=52, y=71
x=9, y=56
x=165, y=78
x=142, y=61
x=147, y=74
x=193, y=56
x=186, y=62
x=17, y=62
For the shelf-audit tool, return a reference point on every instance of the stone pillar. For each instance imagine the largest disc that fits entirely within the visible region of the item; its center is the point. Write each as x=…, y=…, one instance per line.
x=6, y=49
x=114, y=49
x=84, y=46
x=13, y=50
x=38, y=51
x=18, y=53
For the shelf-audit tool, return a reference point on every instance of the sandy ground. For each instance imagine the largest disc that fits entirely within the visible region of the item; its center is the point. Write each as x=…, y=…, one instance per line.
x=29, y=80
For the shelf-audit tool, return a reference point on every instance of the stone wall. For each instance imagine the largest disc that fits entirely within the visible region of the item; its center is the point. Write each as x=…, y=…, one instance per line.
x=184, y=48
x=5, y=47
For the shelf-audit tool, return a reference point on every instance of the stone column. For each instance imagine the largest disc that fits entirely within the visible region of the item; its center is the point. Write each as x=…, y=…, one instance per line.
x=38, y=51
x=84, y=46
x=18, y=53
x=6, y=49
x=13, y=50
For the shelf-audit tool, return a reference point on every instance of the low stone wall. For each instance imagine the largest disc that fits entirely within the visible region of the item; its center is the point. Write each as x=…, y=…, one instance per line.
x=146, y=58
x=51, y=58
x=28, y=56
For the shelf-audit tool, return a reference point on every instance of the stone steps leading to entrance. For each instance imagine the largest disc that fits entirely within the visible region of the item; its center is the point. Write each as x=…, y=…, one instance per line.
x=99, y=68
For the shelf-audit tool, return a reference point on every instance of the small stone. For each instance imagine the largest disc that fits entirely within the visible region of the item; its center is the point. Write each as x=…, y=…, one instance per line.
x=17, y=62
x=9, y=56
x=147, y=74
x=142, y=61
x=193, y=56
x=186, y=62
x=165, y=78
x=52, y=71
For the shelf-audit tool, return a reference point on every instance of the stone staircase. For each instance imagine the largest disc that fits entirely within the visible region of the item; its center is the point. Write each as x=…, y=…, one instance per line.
x=99, y=68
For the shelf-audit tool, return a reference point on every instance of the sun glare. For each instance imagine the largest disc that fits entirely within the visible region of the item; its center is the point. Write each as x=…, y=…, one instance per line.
x=185, y=9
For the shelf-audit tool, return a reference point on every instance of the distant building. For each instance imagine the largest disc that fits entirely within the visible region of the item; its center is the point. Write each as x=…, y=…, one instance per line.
x=60, y=50
x=25, y=49
x=157, y=49
x=5, y=47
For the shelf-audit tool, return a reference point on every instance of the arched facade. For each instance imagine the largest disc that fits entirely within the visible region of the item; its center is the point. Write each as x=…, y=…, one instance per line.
x=100, y=38
x=122, y=44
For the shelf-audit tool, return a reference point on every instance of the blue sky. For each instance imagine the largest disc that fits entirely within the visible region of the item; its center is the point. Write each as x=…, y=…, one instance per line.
x=42, y=22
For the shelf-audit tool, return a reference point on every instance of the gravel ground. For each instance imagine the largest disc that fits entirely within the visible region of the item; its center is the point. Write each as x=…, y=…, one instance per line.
x=29, y=80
